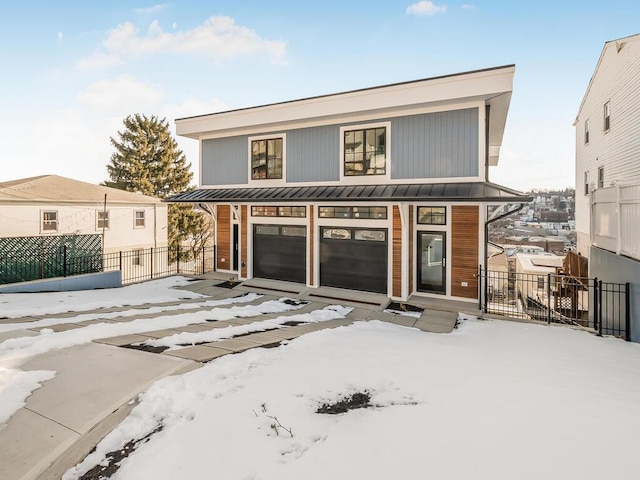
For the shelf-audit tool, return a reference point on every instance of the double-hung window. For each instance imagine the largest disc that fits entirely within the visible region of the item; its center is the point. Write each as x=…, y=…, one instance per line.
x=607, y=116
x=586, y=132
x=365, y=151
x=600, y=177
x=267, y=158
x=139, y=219
x=49, y=221
x=103, y=220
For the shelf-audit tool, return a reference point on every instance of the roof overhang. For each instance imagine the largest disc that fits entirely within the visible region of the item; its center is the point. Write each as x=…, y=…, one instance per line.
x=434, y=192
x=491, y=86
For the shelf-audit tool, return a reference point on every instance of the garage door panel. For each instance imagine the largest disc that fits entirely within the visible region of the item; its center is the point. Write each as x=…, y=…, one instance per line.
x=277, y=256
x=354, y=264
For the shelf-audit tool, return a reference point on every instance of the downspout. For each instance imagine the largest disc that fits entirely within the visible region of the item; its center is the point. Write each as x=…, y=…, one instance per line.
x=487, y=113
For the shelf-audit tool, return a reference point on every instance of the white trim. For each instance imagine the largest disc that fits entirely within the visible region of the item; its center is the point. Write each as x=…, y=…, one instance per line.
x=267, y=182
x=479, y=85
x=98, y=227
x=366, y=179
x=344, y=119
x=135, y=219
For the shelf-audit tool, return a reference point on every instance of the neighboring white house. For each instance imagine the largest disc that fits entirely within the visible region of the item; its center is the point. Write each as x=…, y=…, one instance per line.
x=53, y=205
x=608, y=170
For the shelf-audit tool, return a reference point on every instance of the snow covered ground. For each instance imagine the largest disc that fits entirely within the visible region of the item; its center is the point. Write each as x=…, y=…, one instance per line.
x=492, y=400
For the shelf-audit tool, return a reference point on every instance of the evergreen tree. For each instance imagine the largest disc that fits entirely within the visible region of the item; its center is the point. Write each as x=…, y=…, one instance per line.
x=147, y=160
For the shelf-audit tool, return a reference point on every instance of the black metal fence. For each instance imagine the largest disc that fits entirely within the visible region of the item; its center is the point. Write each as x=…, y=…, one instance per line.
x=136, y=265
x=555, y=298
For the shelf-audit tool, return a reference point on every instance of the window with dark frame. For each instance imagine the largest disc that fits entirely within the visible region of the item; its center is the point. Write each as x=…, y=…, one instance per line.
x=277, y=211
x=600, y=177
x=266, y=159
x=586, y=183
x=103, y=220
x=586, y=132
x=376, y=213
x=139, y=219
x=365, y=152
x=541, y=283
x=607, y=116
x=432, y=215
x=49, y=221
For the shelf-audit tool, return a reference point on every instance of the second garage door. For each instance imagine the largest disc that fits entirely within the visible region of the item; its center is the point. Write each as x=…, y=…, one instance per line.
x=354, y=258
x=280, y=252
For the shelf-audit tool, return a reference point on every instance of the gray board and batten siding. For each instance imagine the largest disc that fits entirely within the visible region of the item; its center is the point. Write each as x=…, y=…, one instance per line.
x=431, y=145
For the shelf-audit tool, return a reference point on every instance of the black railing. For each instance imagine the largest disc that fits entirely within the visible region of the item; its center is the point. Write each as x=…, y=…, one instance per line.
x=136, y=265
x=555, y=298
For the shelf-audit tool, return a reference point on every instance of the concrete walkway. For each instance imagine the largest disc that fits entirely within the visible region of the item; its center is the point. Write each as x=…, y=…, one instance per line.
x=95, y=382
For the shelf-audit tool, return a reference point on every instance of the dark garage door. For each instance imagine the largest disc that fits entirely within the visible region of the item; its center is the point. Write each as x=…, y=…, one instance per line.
x=354, y=258
x=280, y=252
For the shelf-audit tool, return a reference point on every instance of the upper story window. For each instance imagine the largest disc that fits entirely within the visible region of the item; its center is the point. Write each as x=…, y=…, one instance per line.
x=600, y=177
x=607, y=116
x=365, y=151
x=49, y=221
x=586, y=183
x=102, y=220
x=139, y=219
x=267, y=158
x=379, y=213
x=586, y=132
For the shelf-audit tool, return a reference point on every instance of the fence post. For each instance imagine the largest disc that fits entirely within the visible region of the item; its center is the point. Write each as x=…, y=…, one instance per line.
x=548, y=298
x=120, y=260
x=151, y=263
x=627, y=312
x=600, y=320
x=203, y=263
x=64, y=260
x=215, y=261
x=178, y=260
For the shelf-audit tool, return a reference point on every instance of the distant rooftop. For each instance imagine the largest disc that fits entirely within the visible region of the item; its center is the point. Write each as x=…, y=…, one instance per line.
x=53, y=188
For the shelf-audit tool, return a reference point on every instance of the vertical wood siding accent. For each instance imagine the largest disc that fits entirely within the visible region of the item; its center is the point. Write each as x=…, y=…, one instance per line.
x=310, y=209
x=243, y=241
x=411, y=248
x=435, y=145
x=225, y=161
x=464, y=250
x=313, y=154
x=223, y=237
x=397, y=253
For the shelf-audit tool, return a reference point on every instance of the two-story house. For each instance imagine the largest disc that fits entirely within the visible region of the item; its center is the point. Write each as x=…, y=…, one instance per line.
x=382, y=189
x=608, y=170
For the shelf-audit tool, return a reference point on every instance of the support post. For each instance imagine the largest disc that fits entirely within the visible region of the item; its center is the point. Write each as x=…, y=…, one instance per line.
x=627, y=312
x=548, y=298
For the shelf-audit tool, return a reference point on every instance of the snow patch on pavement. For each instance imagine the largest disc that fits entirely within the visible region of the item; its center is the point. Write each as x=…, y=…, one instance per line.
x=16, y=386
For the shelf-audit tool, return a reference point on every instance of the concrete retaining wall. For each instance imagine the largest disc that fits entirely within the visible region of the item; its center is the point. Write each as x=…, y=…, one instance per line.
x=89, y=281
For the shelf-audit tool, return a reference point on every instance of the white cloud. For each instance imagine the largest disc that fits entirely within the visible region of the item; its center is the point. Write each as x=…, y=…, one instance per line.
x=148, y=10
x=218, y=38
x=60, y=35
x=468, y=7
x=124, y=91
x=99, y=61
x=425, y=7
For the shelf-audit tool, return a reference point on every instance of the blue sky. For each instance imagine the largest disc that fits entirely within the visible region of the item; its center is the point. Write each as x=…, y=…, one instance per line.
x=73, y=70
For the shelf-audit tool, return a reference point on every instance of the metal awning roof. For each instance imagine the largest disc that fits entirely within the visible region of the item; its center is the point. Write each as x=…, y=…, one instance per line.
x=440, y=192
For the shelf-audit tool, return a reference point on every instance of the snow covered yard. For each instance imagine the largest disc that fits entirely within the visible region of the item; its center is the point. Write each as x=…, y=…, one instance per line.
x=492, y=400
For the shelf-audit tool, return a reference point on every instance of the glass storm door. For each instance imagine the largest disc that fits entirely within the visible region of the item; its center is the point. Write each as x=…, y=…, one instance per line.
x=432, y=265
